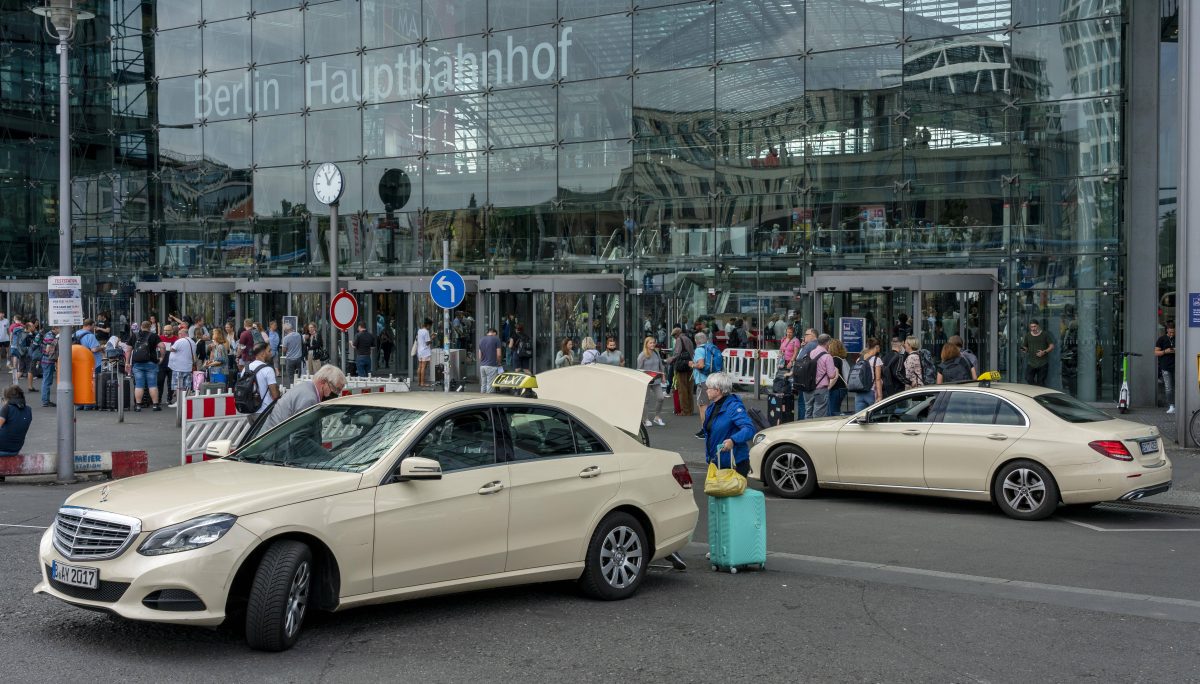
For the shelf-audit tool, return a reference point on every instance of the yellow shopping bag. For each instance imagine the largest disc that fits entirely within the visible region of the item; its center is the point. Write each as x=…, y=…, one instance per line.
x=723, y=481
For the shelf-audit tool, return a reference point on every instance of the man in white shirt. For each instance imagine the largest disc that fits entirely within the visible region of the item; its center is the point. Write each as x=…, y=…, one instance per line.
x=181, y=363
x=4, y=337
x=268, y=384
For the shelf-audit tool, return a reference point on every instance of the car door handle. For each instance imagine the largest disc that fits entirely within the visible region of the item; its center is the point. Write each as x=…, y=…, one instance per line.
x=590, y=471
x=911, y=433
x=997, y=436
x=491, y=487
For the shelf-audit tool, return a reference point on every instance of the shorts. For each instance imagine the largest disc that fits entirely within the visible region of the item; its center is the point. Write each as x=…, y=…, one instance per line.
x=145, y=375
x=181, y=380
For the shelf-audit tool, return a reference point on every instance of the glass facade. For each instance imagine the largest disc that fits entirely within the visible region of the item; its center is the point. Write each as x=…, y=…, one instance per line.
x=715, y=156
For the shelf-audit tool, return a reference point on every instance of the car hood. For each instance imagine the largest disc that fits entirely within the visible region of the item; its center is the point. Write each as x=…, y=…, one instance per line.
x=613, y=393
x=169, y=496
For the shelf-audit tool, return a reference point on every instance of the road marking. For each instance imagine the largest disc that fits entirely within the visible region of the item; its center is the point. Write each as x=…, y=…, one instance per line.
x=32, y=527
x=1084, y=598
x=1094, y=528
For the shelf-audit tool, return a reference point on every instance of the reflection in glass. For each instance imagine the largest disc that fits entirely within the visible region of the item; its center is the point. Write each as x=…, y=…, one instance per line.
x=522, y=176
x=227, y=143
x=391, y=22
x=598, y=47
x=278, y=36
x=275, y=141
x=226, y=44
x=595, y=110
x=393, y=129
x=673, y=37
x=331, y=28
x=523, y=116
x=333, y=135
x=177, y=52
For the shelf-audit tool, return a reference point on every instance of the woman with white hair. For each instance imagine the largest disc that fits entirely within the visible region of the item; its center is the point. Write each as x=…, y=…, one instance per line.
x=590, y=353
x=727, y=425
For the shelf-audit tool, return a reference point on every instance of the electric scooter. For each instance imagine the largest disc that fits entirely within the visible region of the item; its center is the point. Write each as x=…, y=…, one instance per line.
x=1123, y=396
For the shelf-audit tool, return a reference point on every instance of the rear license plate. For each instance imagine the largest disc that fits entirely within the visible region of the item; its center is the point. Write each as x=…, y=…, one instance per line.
x=1149, y=446
x=88, y=578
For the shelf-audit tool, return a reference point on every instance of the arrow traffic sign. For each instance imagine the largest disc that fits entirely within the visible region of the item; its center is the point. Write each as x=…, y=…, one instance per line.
x=447, y=288
x=343, y=311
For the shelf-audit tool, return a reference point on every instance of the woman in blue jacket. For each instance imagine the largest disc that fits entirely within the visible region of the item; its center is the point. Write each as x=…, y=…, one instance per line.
x=727, y=425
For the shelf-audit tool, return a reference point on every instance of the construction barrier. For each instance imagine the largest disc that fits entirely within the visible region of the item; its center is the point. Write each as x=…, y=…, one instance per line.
x=745, y=364
x=210, y=417
x=116, y=464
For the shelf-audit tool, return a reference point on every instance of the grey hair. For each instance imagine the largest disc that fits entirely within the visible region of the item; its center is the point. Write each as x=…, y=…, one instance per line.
x=701, y=338
x=823, y=339
x=330, y=374
x=720, y=381
x=287, y=327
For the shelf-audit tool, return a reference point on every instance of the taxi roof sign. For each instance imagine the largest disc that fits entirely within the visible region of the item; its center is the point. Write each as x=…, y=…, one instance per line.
x=514, y=381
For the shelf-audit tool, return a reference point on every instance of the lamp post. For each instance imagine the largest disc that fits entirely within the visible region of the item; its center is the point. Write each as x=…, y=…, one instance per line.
x=61, y=17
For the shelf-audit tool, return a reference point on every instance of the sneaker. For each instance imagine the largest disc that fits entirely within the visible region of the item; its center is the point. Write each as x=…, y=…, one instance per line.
x=1171, y=408
x=172, y=405
x=701, y=435
x=647, y=423
x=137, y=409
x=157, y=408
x=659, y=422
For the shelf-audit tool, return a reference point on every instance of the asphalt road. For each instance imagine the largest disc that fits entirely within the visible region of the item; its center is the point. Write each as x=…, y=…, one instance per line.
x=858, y=588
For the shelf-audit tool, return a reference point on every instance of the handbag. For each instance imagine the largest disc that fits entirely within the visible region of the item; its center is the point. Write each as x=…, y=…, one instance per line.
x=412, y=351
x=724, y=481
x=197, y=379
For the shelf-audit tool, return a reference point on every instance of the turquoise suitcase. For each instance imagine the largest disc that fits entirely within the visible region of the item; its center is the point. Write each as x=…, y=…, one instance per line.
x=737, y=531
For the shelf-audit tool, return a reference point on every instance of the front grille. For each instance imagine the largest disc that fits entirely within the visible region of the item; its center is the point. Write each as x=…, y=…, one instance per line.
x=85, y=534
x=107, y=592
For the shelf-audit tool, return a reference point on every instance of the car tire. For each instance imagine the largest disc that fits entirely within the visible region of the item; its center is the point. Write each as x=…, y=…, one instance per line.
x=279, y=596
x=788, y=473
x=1025, y=490
x=617, y=558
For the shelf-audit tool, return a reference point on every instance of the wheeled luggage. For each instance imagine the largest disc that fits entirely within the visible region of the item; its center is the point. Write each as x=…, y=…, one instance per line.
x=109, y=384
x=781, y=408
x=737, y=531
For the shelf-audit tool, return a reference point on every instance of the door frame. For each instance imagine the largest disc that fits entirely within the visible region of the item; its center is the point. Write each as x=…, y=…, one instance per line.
x=917, y=282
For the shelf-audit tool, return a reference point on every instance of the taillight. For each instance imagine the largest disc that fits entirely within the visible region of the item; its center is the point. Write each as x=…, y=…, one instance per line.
x=682, y=476
x=1112, y=449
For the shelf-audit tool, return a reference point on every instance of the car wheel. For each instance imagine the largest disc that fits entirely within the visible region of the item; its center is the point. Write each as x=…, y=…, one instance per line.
x=788, y=472
x=617, y=558
x=1026, y=491
x=279, y=596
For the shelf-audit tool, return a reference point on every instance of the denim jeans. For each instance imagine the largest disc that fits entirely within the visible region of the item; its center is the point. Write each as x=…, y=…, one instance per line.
x=836, y=397
x=486, y=375
x=816, y=403
x=1168, y=378
x=48, y=379
x=863, y=399
x=145, y=374
x=801, y=406
x=362, y=365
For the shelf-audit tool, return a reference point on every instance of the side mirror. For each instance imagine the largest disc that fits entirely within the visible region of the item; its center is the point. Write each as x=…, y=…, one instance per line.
x=417, y=468
x=864, y=419
x=219, y=448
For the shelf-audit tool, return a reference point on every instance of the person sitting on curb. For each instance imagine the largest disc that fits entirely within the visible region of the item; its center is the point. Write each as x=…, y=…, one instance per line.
x=15, y=419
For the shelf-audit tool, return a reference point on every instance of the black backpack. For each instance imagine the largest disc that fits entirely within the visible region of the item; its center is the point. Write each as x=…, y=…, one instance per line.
x=734, y=340
x=806, y=372
x=858, y=382
x=894, y=379
x=928, y=366
x=522, y=346
x=756, y=417
x=245, y=392
x=956, y=370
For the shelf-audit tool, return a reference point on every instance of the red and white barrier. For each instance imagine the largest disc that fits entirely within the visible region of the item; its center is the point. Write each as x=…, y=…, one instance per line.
x=742, y=363
x=117, y=463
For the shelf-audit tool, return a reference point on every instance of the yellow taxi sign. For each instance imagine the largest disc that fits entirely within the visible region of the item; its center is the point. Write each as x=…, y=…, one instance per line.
x=989, y=376
x=514, y=381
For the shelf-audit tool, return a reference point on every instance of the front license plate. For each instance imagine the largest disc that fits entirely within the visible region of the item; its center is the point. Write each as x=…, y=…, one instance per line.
x=88, y=578
x=1149, y=446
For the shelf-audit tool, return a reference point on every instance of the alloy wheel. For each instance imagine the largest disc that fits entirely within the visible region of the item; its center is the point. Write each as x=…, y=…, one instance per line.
x=1024, y=490
x=621, y=557
x=297, y=600
x=789, y=472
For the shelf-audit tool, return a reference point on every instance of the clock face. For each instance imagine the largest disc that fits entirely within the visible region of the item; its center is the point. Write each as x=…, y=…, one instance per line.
x=327, y=183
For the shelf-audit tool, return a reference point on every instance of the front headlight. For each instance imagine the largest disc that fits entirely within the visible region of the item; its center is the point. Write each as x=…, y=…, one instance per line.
x=188, y=535
x=758, y=439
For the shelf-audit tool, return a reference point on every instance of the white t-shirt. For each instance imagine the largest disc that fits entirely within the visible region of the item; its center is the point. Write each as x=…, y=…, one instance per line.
x=265, y=379
x=183, y=352
x=423, y=349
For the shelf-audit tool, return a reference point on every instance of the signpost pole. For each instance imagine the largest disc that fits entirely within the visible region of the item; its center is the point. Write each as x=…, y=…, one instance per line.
x=334, y=345
x=65, y=389
x=446, y=323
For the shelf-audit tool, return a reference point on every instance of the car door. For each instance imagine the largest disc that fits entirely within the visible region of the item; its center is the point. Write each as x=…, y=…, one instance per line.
x=562, y=477
x=448, y=529
x=887, y=449
x=972, y=430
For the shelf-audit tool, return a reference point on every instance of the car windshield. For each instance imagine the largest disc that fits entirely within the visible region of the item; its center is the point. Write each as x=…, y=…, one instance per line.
x=346, y=437
x=1070, y=409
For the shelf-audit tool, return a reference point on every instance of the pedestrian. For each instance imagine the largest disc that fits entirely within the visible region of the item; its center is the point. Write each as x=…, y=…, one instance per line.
x=491, y=360
x=23, y=338
x=387, y=344
x=816, y=402
x=914, y=372
x=649, y=361
x=292, y=345
x=327, y=383
x=702, y=364
x=590, y=354
x=893, y=369
x=679, y=362
x=273, y=339
x=154, y=327
x=363, y=342
x=264, y=376
x=789, y=346
x=49, y=363
x=727, y=427
x=216, y=363
x=4, y=339
x=424, y=349
x=314, y=349
x=166, y=340
x=246, y=342
x=870, y=369
x=966, y=354
x=902, y=330
x=17, y=350
x=566, y=354
x=146, y=345
x=837, y=390
x=181, y=362
x=611, y=355
x=522, y=349
x=954, y=367
x=85, y=338
x=15, y=418
x=1036, y=345
x=808, y=344
x=1164, y=349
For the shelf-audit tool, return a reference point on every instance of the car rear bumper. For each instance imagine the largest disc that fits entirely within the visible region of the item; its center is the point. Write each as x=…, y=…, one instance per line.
x=1143, y=492
x=1113, y=482
x=674, y=523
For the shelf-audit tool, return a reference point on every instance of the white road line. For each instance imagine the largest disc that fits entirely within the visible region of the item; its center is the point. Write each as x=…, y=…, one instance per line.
x=32, y=527
x=1094, y=528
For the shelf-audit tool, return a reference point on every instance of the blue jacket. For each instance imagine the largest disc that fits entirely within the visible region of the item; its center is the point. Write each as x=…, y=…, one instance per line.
x=727, y=419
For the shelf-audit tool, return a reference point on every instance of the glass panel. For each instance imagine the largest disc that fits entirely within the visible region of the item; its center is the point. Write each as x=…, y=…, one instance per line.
x=589, y=8
x=522, y=57
x=224, y=9
x=171, y=14
x=1073, y=138
x=392, y=74
x=453, y=66
x=227, y=144
x=674, y=101
x=279, y=88
x=855, y=86
x=350, y=438
x=331, y=28
x=593, y=168
x=177, y=52
x=751, y=30
x=391, y=22
x=595, y=110
x=182, y=101
x=539, y=433
x=911, y=408
x=393, y=130
x=673, y=37
x=455, y=123
x=226, y=44
x=751, y=94
x=392, y=185
x=276, y=138
x=522, y=177
x=272, y=5
x=840, y=25
x=1008, y=415
x=332, y=81
x=502, y=15
x=455, y=181
x=971, y=408
x=595, y=48
x=226, y=95
x=940, y=18
x=279, y=192
x=961, y=73
x=448, y=19
x=1065, y=61
x=334, y=135
x=278, y=36
x=1028, y=12
x=522, y=116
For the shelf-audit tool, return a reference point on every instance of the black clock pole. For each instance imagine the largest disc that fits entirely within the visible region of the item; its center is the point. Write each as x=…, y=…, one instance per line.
x=334, y=346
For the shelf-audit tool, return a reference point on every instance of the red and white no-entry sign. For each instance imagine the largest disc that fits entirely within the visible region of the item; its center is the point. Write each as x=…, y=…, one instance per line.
x=343, y=311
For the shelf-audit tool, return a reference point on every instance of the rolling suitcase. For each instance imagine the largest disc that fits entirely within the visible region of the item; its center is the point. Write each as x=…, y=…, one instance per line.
x=737, y=531
x=109, y=384
x=781, y=408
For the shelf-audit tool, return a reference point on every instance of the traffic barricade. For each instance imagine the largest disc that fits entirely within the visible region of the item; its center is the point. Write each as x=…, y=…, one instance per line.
x=747, y=364
x=115, y=464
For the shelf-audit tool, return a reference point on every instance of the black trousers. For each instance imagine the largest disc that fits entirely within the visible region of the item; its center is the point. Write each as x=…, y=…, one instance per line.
x=1037, y=376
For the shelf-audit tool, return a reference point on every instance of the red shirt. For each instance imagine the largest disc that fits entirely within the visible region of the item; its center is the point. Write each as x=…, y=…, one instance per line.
x=246, y=343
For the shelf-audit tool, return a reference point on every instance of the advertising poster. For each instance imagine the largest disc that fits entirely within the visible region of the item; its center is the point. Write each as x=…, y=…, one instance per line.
x=854, y=333
x=66, y=301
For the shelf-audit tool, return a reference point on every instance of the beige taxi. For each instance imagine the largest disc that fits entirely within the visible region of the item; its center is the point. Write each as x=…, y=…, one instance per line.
x=1026, y=448
x=381, y=497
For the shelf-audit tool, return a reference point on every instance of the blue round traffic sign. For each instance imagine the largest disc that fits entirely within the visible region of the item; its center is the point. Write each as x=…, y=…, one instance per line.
x=447, y=288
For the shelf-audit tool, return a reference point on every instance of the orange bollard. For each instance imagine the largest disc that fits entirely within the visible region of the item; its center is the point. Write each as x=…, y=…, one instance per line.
x=83, y=367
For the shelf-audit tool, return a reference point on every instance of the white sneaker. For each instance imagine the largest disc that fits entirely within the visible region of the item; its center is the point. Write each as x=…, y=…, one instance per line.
x=172, y=405
x=659, y=422
x=1171, y=408
x=647, y=423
